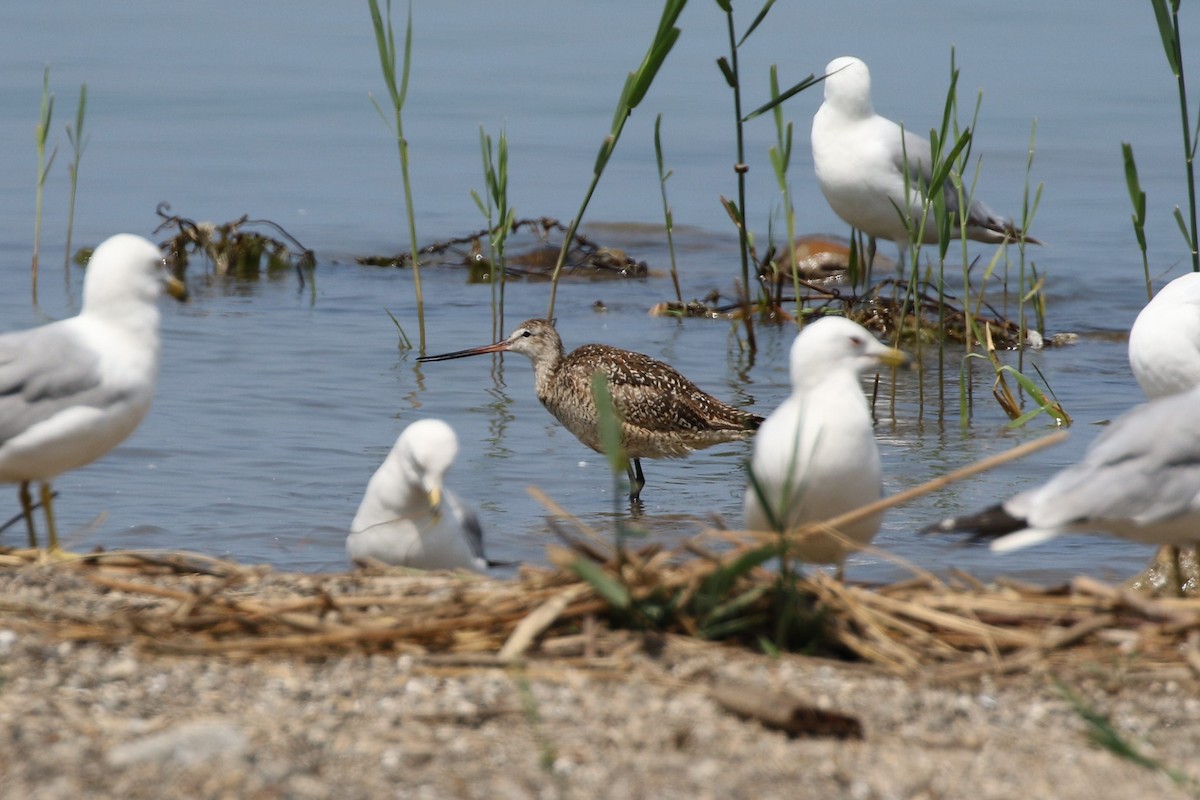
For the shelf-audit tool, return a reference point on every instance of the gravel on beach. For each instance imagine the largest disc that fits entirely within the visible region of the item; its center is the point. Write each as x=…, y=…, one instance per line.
x=86, y=718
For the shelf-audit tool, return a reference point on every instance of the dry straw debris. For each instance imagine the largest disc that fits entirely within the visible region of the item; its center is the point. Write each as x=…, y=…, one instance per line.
x=941, y=630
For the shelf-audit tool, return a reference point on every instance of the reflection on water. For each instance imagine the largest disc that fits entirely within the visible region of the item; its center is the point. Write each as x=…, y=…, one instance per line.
x=276, y=405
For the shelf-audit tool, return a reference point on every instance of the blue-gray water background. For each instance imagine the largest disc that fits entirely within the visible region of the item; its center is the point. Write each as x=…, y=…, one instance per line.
x=275, y=404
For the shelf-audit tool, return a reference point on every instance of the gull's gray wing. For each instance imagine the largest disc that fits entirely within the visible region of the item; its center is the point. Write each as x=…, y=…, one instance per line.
x=1145, y=468
x=919, y=155
x=43, y=371
x=471, y=528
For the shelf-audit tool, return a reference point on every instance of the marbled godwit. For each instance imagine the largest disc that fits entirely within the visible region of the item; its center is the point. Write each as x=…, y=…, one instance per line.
x=860, y=158
x=663, y=414
x=1140, y=480
x=72, y=390
x=815, y=457
x=407, y=517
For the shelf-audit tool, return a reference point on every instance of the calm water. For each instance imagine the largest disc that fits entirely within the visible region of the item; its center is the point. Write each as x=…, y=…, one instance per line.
x=276, y=403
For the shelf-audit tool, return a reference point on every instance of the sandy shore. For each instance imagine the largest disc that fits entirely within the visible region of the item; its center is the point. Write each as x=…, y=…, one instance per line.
x=86, y=718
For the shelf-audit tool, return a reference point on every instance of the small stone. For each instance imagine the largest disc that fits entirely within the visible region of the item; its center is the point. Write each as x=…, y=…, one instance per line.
x=189, y=743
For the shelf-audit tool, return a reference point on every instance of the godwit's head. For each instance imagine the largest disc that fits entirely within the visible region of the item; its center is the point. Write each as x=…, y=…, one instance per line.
x=533, y=338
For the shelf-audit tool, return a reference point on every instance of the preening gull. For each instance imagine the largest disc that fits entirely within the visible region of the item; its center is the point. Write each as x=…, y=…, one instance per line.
x=408, y=517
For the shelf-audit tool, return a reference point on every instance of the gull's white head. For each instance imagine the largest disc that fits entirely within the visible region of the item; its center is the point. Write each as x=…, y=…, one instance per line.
x=425, y=452
x=124, y=272
x=835, y=344
x=1164, y=343
x=848, y=86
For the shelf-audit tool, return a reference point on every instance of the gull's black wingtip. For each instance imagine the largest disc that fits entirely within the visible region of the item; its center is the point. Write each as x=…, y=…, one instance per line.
x=991, y=523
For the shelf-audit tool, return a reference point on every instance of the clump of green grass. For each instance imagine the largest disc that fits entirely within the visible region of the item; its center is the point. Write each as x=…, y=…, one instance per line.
x=397, y=85
x=950, y=144
x=725, y=604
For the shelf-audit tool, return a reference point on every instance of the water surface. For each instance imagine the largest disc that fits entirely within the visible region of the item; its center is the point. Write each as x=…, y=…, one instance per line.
x=276, y=402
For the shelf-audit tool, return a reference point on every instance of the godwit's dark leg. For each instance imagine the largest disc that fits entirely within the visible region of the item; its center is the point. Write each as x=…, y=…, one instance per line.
x=636, y=479
x=27, y=508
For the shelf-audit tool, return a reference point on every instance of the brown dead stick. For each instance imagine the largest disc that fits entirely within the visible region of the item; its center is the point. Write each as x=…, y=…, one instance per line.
x=900, y=498
x=1030, y=657
x=135, y=587
x=783, y=712
x=995, y=638
x=538, y=621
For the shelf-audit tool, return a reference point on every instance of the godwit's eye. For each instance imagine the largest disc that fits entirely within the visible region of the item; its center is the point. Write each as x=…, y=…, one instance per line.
x=527, y=333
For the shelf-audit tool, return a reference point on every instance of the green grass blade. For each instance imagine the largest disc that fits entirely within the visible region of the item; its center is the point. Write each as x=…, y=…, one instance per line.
x=770, y=104
x=762, y=14
x=1166, y=32
x=609, y=424
x=611, y=590
x=1102, y=732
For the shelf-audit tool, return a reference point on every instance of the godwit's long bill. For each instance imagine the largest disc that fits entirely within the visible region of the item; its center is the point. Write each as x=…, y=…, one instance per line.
x=663, y=414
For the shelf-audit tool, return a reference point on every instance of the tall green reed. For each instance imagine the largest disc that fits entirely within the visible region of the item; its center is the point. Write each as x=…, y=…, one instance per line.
x=1030, y=286
x=1138, y=198
x=385, y=42
x=637, y=83
x=1168, y=29
x=495, y=209
x=731, y=71
x=41, y=135
x=737, y=211
x=668, y=217
x=781, y=158
x=77, y=140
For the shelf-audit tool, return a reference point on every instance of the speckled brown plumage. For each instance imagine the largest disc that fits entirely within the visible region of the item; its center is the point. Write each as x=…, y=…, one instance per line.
x=663, y=414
